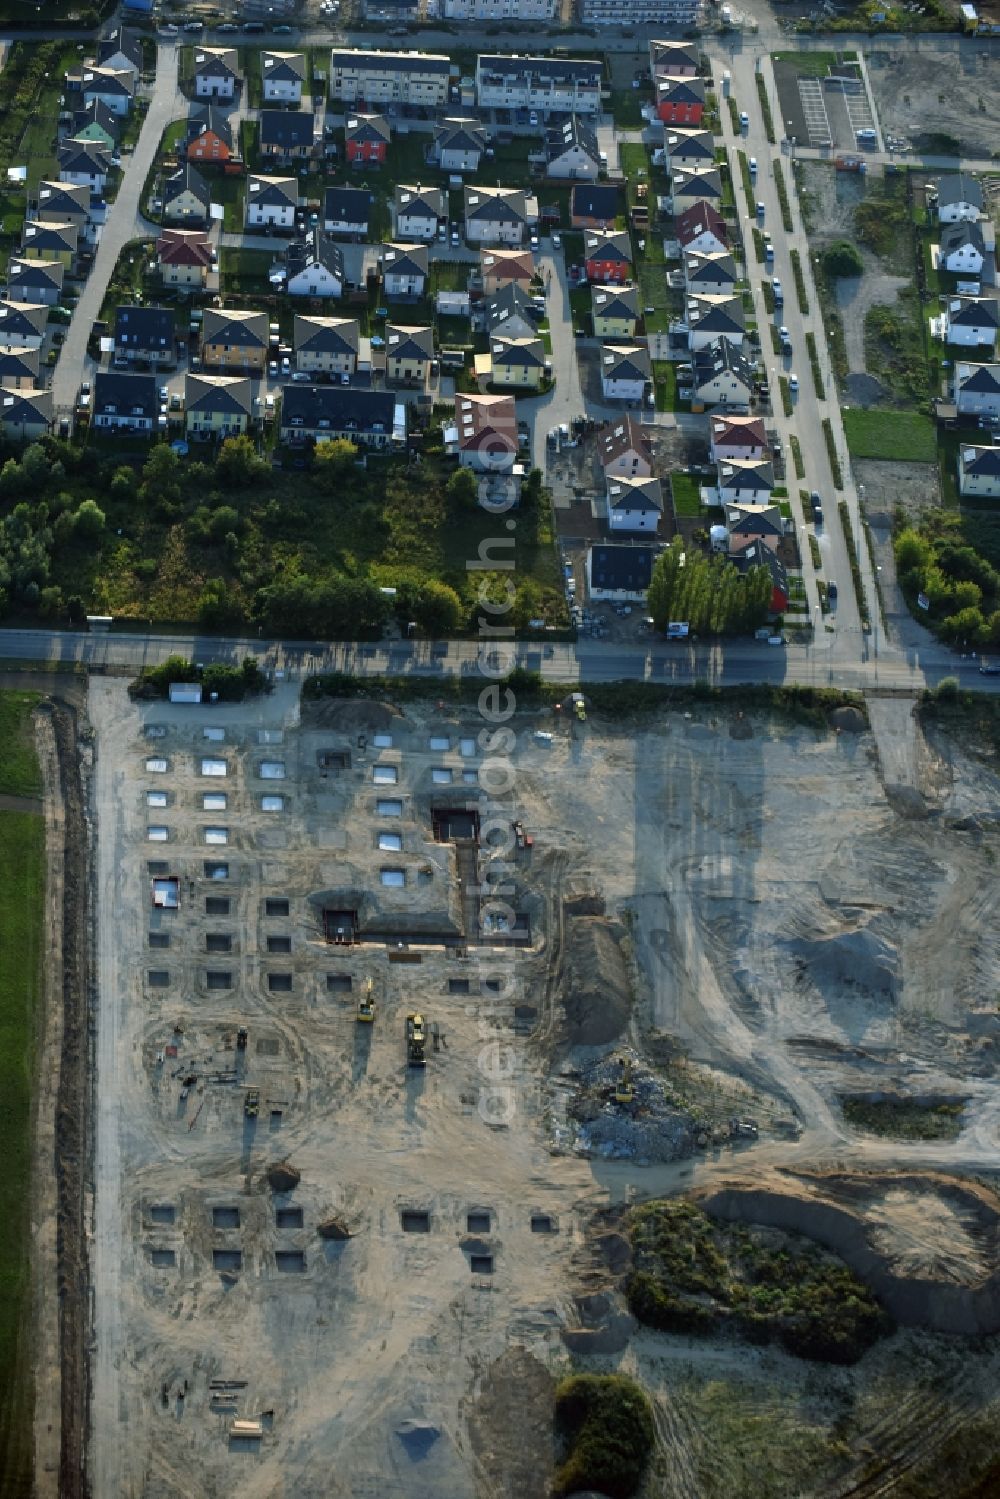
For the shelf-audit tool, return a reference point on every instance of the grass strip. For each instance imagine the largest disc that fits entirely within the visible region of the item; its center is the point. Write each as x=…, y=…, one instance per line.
x=800, y=282
x=800, y=468
x=782, y=191
x=765, y=107
x=814, y=365
x=786, y=394
x=852, y=557
x=831, y=453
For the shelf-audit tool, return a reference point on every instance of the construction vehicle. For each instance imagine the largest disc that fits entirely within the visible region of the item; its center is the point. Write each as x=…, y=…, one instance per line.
x=366, y=1005
x=416, y=1040
x=241, y=1038
x=624, y=1092
x=579, y=706
x=251, y=1103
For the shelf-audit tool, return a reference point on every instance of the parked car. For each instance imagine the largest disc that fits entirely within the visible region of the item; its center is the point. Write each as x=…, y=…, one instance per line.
x=752, y=164
x=779, y=295
x=301, y=377
x=793, y=382
x=831, y=589
x=194, y=26
x=534, y=239
x=744, y=120
x=785, y=339
x=761, y=213
x=556, y=241
x=168, y=30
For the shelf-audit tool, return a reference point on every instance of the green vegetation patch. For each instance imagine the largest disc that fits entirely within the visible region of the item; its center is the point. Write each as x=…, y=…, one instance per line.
x=855, y=565
x=904, y=1118
x=782, y=191
x=800, y=281
x=901, y=436
x=686, y=490
x=953, y=560
x=831, y=453
x=229, y=684
x=765, y=107
x=19, y=773
x=606, y=1425
x=694, y=1276
x=707, y=592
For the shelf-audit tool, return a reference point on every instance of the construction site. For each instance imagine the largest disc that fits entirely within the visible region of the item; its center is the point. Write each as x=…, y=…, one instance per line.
x=390, y=1020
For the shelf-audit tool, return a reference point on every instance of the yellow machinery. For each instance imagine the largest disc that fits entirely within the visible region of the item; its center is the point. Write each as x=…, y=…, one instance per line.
x=624, y=1092
x=251, y=1103
x=366, y=1005
x=579, y=706
x=416, y=1040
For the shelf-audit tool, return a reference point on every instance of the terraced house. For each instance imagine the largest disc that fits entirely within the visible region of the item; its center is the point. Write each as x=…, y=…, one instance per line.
x=124, y=403
x=499, y=10
x=217, y=406
x=233, y=340
x=547, y=85
x=322, y=413
x=326, y=345
x=35, y=281
x=282, y=76
x=377, y=78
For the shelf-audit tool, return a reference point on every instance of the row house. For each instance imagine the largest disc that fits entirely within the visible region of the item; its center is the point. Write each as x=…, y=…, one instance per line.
x=217, y=406
x=326, y=345
x=325, y=413
x=289, y=134
x=124, y=403
x=549, y=85
x=376, y=78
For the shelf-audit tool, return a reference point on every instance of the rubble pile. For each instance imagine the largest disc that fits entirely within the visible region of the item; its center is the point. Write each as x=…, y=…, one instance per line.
x=648, y=1128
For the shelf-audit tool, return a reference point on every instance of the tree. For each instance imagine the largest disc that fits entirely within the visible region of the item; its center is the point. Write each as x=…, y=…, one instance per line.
x=437, y=608
x=333, y=461
x=912, y=551
x=161, y=480
x=842, y=259
x=462, y=489
x=219, y=608
x=122, y=485
x=237, y=465
x=88, y=523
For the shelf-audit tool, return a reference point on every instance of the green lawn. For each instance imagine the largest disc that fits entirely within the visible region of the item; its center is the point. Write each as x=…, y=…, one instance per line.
x=22, y=851
x=901, y=436
x=686, y=490
x=626, y=107
x=808, y=64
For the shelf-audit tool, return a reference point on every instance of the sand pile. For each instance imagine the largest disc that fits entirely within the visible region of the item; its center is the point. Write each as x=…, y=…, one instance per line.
x=598, y=997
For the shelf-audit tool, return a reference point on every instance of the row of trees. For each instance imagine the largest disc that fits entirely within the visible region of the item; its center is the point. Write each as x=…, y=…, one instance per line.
x=709, y=593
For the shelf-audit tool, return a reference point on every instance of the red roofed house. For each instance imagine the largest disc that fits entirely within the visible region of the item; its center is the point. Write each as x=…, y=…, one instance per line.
x=701, y=227
x=608, y=256
x=624, y=450
x=500, y=268
x=184, y=257
x=738, y=437
x=680, y=101
x=487, y=433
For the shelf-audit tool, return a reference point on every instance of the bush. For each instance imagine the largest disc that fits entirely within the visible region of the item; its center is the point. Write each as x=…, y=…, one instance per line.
x=842, y=259
x=782, y=191
x=765, y=107
x=831, y=453
x=852, y=558
x=606, y=1424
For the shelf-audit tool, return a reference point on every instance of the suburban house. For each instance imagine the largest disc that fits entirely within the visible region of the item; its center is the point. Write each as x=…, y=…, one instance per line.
x=689, y=188
x=346, y=211
x=184, y=257
x=186, y=198
x=96, y=123
x=326, y=345
x=366, y=139
x=747, y=522
x=701, y=228
x=84, y=164
x=112, y=87
x=62, y=203
x=217, y=406
x=145, y=335
x=510, y=311
x=712, y=274
x=124, y=403
x=35, y=281
x=495, y=215
x=634, y=504
x=672, y=59
x=971, y=322
x=377, y=78
x=690, y=150
x=614, y=311
x=25, y=415
x=594, y=205
x=19, y=368
x=712, y=318
x=282, y=76
x=49, y=241
x=722, y=375
x=625, y=371
x=121, y=49
x=288, y=134
x=408, y=353
x=459, y=145
x=404, y=270
x=979, y=471
x=487, y=432
x=498, y=268
x=977, y=389
x=745, y=481
x=571, y=150
x=620, y=574
x=499, y=10
x=959, y=197
x=271, y=200
x=209, y=134
x=512, y=363
x=22, y=326
x=549, y=85
x=323, y=413
x=624, y=450
x=740, y=438
x=233, y=340
x=608, y=256
x=216, y=72
x=962, y=249
x=679, y=101
x=417, y=211
x=758, y=554
x=314, y=267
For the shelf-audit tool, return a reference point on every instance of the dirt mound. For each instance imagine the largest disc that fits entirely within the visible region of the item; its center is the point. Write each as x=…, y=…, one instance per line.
x=859, y=959
x=906, y=801
x=282, y=1177
x=848, y=720
x=511, y=1425
x=354, y=715
x=333, y=1228
x=597, y=998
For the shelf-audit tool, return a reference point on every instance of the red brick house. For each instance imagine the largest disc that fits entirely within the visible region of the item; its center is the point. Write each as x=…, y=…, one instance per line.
x=366, y=138
x=210, y=136
x=608, y=257
x=680, y=101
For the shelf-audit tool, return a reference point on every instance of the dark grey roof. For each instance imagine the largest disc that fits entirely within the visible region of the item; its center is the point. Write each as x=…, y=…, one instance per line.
x=409, y=343
x=628, y=364
x=281, y=192
x=636, y=494
x=511, y=301
x=716, y=318
x=62, y=199
x=143, y=328
x=221, y=62
x=187, y=179
x=324, y=339
x=702, y=183
x=575, y=131
x=286, y=127
x=96, y=112
x=407, y=260
x=26, y=405
x=209, y=117
x=607, y=244
x=721, y=356
x=128, y=394
x=338, y=407
x=460, y=135
x=368, y=128
x=348, y=205
x=711, y=266
x=224, y=394
x=511, y=352
x=239, y=330
x=595, y=200
x=122, y=40
x=983, y=462
x=759, y=555
x=626, y=569
x=389, y=62
x=957, y=236
x=974, y=312
x=99, y=80
x=495, y=206
x=554, y=70
x=317, y=249
x=21, y=318
x=619, y=302
x=958, y=187
x=680, y=90
x=984, y=380
x=35, y=273
x=417, y=201
x=734, y=476
x=18, y=364
x=288, y=67
x=84, y=156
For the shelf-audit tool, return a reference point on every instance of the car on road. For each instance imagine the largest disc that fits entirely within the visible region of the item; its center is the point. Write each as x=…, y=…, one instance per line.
x=785, y=339
x=556, y=241
x=761, y=213
x=227, y=28
x=282, y=30
x=194, y=26
x=744, y=120
x=988, y=667
x=286, y=366
x=831, y=589
x=443, y=233
x=793, y=382
x=779, y=295
x=768, y=249
x=752, y=164
x=300, y=377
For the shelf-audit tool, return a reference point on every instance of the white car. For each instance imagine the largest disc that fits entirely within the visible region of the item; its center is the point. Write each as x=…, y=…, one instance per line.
x=556, y=242
x=779, y=295
x=745, y=120
x=534, y=239
x=793, y=382
x=753, y=166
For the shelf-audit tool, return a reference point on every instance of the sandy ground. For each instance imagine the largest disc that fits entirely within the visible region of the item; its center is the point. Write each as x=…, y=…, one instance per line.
x=938, y=90
x=759, y=884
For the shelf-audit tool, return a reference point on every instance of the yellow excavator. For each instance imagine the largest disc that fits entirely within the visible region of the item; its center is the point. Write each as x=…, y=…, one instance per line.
x=624, y=1092
x=366, y=1005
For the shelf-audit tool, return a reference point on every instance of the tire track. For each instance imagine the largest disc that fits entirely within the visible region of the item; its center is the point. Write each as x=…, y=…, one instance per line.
x=677, y=1447
x=909, y=1434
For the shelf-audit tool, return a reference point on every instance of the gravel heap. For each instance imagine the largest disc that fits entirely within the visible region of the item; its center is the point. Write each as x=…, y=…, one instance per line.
x=647, y=1129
